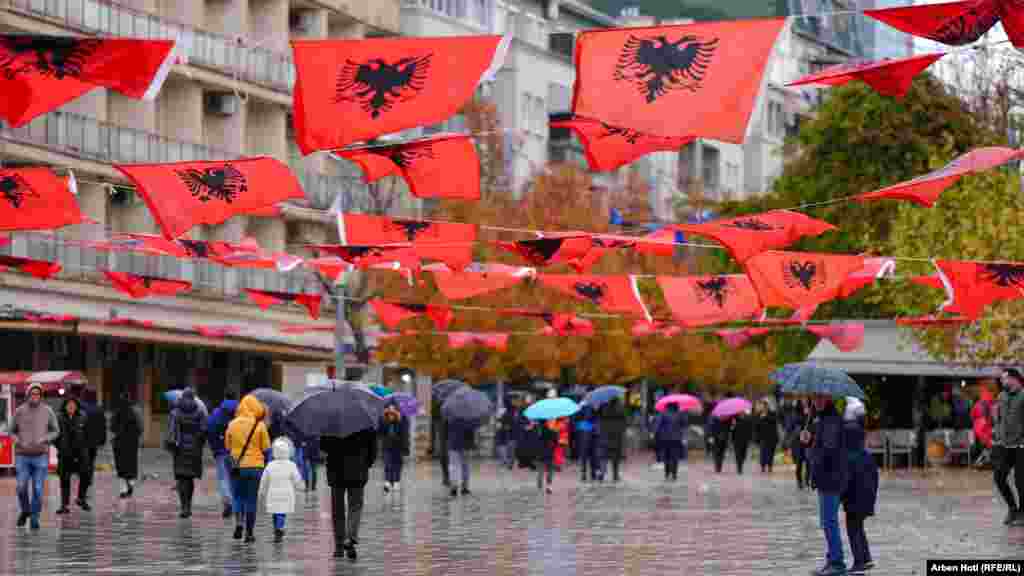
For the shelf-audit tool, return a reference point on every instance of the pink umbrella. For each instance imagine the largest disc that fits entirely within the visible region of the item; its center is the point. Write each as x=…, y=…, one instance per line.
x=684, y=401
x=731, y=407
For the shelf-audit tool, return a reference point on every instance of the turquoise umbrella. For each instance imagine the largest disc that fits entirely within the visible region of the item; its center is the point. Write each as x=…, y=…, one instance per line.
x=381, y=390
x=551, y=409
x=809, y=378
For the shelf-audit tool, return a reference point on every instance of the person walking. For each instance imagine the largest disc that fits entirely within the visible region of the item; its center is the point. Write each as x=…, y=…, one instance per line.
x=186, y=440
x=278, y=483
x=349, y=461
x=246, y=440
x=1010, y=455
x=720, y=429
x=126, y=426
x=312, y=456
x=460, y=440
x=613, y=433
x=394, y=432
x=72, y=451
x=546, y=440
x=442, y=442
x=217, y=426
x=862, y=488
x=767, y=429
x=585, y=443
x=35, y=429
x=96, y=437
x=742, y=430
x=830, y=470
x=670, y=435
x=801, y=421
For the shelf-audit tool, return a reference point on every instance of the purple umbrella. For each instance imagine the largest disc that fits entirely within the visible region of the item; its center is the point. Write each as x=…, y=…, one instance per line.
x=407, y=404
x=731, y=407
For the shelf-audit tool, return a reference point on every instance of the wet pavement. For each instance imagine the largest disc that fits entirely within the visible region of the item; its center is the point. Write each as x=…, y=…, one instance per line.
x=702, y=524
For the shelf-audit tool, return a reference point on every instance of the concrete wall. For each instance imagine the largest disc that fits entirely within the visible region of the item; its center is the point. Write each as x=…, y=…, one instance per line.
x=180, y=111
x=268, y=24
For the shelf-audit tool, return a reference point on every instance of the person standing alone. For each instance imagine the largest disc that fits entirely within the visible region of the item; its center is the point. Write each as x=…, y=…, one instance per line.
x=35, y=428
x=1010, y=453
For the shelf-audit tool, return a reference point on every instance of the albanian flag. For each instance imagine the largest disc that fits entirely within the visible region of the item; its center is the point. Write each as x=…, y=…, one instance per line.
x=449, y=242
x=599, y=246
x=975, y=285
x=392, y=313
x=874, y=268
x=675, y=81
x=145, y=286
x=571, y=246
x=489, y=278
x=889, y=77
x=950, y=23
x=39, y=73
x=353, y=90
x=364, y=256
x=181, y=195
x=738, y=337
x=660, y=242
x=442, y=166
x=37, y=199
x=497, y=342
x=611, y=293
x=706, y=300
x=265, y=299
x=39, y=268
x=924, y=190
x=217, y=331
x=643, y=328
x=800, y=280
x=746, y=236
x=561, y=324
x=845, y=337
x=608, y=148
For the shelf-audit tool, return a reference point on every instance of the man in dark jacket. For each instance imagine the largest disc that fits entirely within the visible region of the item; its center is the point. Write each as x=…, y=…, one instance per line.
x=460, y=439
x=670, y=435
x=187, y=437
x=613, y=433
x=72, y=451
x=217, y=425
x=742, y=430
x=349, y=461
x=830, y=469
x=96, y=436
x=719, y=435
x=1010, y=455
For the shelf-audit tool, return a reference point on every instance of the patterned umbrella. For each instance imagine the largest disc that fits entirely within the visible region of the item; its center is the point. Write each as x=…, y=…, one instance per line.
x=809, y=378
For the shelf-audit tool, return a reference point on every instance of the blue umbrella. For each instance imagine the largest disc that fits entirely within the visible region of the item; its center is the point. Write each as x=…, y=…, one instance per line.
x=337, y=409
x=603, y=395
x=552, y=408
x=381, y=390
x=809, y=378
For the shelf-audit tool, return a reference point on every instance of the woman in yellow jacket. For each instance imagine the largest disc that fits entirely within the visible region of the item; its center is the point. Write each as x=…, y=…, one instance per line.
x=247, y=439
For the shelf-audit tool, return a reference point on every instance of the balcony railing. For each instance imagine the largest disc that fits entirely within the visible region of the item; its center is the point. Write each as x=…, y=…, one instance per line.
x=254, y=64
x=478, y=13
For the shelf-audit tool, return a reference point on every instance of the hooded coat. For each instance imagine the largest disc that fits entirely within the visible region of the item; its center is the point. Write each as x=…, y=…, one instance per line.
x=280, y=480
x=73, y=442
x=613, y=429
x=188, y=436
x=250, y=413
x=126, y=426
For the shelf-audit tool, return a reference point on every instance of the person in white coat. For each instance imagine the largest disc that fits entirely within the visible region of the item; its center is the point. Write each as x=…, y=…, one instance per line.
x=278, y=484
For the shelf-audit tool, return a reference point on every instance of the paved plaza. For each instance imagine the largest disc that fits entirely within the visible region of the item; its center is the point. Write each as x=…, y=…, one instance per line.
x=702, y=524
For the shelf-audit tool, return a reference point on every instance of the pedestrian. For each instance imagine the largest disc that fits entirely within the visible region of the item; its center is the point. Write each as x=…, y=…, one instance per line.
x=561, y=426
x=670, y=435
x=126, y=426
x=96, y=437
x=442, y=442
x=655, y=425
x=830, y=470
x=720, y=429
x=278, y=483
x=801, y=422
x=312, y=456
x=1009, y=457
x=585, y=442
x=526, y=449
x=72, y=451
x=742, y=430
x=246, y=440
x=767, y=429
x=861, y=489
x=348, y=470
x=216, y=427
x=546, y=442
x=35, y=429
x=394, y=432
x=613, y=433
x=186, y=438
x=461, y=439
x=505, y=437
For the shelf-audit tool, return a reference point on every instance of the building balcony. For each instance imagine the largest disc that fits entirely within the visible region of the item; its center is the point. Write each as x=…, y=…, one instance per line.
x=478, y=14
x=203, y=49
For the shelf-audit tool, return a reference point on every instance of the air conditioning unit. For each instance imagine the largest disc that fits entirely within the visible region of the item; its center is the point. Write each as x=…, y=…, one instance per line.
x=222, y=103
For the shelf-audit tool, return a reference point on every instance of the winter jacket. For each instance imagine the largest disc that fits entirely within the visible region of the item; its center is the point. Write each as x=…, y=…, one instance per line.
x=670, y=427
x=188, y=436
x=250, y=412
x=742, y=430
x=349, y=459
x=73, y=442
x=461, y=435
x=767, y=429
x=280, y=480
x=613, y=430
x=1011, y=418
x=95, y=424
x=217, y=426
x=312, y=451
x=546, y=439
x=126, y=426
x=394, y=435
x=861, y=491
x=829, y=462
x=35, y=428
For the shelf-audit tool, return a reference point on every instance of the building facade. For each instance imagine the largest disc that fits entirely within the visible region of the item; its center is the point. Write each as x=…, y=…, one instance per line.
x=229, y=96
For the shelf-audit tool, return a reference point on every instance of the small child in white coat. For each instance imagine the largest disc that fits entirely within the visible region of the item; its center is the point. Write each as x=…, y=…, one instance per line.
x=278, y=484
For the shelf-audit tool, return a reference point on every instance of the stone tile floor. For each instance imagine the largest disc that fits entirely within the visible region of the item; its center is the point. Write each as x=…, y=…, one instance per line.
x=702, y=524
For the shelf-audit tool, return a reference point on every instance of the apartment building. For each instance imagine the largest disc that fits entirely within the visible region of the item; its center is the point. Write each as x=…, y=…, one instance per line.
x=229, y=96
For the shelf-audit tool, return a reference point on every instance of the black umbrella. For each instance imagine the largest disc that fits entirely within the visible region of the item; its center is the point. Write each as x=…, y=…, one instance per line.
x=466, y=404
x=444, y=388
x=338, y=409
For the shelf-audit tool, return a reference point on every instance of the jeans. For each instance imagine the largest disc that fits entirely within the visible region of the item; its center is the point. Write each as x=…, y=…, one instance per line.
x=548, y=466
x=858, y=538
x=828, y=514
x=279, y=520
x=507, y=454
x=393, y=466
x=1005, y=460
x=246, y=489
x=31, y=469
x=299, y=458
x=346, y=523
x=458, y=465
x=224, y=479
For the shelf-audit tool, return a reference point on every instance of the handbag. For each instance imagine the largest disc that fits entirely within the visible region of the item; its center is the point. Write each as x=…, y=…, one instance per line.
x=236, y=463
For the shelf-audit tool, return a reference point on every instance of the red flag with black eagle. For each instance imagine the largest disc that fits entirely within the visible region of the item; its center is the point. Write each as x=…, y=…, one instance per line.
x=599, y=247
x=745, y=236
x=448, y=242
x=846, y=337
x=393, y=313
x=950, y=23
x=181, y=195
x=889, y=77
x=675, y=81
x=643, y=328
x=800, y=280
x=975, y=285
x=611, y=293
x=497, y=341
x=874, y=268
x=488, y=278
x=145, y=286
x=440, y=166
x=608, y=147
x=355, y=90
x=39, y=73
x=39, y=268
x=925, y=190
x=738, y=337
x=553, y=249
x=561, y=324
x=265, y=299
x=36, y=199
x=706, y=300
